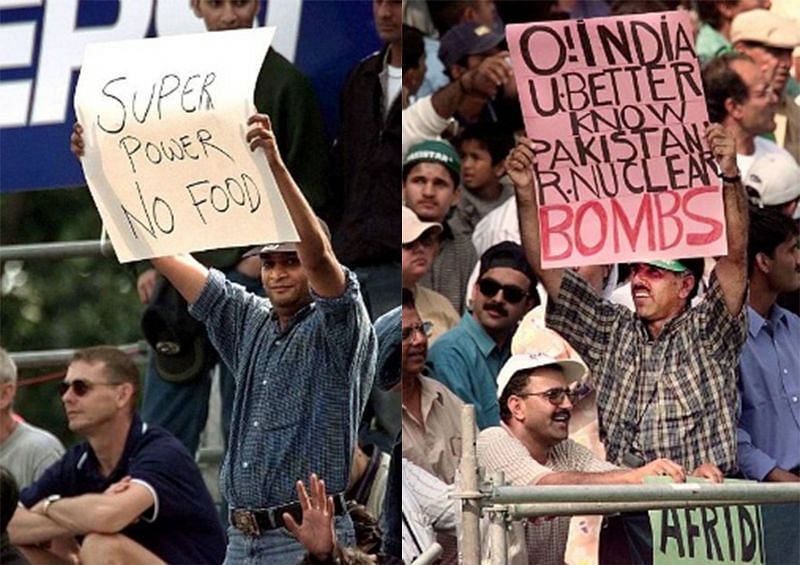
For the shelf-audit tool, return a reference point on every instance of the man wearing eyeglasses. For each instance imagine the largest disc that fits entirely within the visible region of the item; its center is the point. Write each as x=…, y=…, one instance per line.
x=666, y=373
x=131, y=493
x=420, y=242
x=468, y=358
x=536, y=393
x=431, y=413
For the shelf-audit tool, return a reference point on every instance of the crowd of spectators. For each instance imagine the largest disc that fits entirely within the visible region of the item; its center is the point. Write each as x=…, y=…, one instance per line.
x=671, y=367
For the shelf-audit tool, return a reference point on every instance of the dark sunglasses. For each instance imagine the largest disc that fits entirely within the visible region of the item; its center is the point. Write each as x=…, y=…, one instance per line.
x=427, y=239
x=555, y=395
x=79, y=387
x=409, y=331
x=511, y=293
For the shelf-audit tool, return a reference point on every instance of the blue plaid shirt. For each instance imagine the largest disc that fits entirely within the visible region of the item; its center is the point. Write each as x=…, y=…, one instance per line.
x=300, y=391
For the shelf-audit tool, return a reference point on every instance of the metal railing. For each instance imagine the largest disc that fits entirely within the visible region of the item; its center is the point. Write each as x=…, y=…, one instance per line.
x=503, y=504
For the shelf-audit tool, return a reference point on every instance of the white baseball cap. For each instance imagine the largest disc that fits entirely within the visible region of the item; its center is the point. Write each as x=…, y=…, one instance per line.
x=775, y=177
x=573, y=369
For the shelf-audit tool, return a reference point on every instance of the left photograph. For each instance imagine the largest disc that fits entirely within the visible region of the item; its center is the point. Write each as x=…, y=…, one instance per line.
x=200, y=275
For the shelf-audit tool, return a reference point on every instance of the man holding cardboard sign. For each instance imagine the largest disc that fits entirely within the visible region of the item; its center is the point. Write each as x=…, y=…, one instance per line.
x=285, y=424
x=665, y=374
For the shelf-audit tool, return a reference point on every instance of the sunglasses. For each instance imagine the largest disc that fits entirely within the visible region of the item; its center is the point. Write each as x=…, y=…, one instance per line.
x=489, y=287
x=424, y=328
x=555, y=395
x=80, y=387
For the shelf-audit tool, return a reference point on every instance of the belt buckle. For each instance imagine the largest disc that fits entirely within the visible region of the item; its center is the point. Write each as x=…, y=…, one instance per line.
x=246, y=522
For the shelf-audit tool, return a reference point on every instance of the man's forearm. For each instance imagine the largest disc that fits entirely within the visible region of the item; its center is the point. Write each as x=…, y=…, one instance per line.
x=88, y=513
x=781, y=475
x=31, y=528
x=185, y=273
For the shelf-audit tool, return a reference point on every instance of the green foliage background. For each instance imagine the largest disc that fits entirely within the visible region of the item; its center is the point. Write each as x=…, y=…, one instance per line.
x=59, y=303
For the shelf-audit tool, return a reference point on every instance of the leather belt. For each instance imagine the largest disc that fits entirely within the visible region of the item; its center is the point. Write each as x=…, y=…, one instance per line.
x=252, y=522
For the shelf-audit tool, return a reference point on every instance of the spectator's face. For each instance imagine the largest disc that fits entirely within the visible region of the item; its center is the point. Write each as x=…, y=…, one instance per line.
x=413, y=78
x=774, y=62
x=784, y=267
x=388, y=16
x=756, y=115
x=659, y=294
x=414, y=348
x=430, y=191
x=284, y=280
x=418, y=256
x=7, y=392
x=545, y=423
x=476, y=166
x=499, y=314
x=220, y=15
x=98, y=402
x=483, y=12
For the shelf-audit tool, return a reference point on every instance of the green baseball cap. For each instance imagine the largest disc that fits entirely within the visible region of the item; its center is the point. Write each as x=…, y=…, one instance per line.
x=668, y=265
x=434, y=151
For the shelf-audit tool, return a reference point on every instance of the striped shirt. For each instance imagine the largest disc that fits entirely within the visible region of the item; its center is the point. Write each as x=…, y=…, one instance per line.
x=673, y=396
x=545, y=541
x=300, y=391
x=452, y=267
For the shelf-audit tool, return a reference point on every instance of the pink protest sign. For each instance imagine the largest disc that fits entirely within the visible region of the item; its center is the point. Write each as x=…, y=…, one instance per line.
x=616, y=110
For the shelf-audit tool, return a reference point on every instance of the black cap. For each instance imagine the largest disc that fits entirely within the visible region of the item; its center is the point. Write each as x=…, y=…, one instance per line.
x=507, y=254
x=180, y=343
x=467, y=38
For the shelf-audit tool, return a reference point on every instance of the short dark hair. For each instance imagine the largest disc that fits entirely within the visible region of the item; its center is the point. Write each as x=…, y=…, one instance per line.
x=516, y=385
x=120, y=368
x=768, y=229
x=408, y=299
x=708, y=12
x=721, y=82
x=446, y=13
x=413, y=47
x=497, y=140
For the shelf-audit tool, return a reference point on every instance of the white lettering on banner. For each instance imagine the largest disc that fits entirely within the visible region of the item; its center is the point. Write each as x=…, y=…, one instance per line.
x=62, y=51
x=44, y=100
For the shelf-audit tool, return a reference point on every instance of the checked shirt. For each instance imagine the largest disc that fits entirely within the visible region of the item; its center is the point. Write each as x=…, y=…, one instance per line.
x=300, y=391
x=674, y=396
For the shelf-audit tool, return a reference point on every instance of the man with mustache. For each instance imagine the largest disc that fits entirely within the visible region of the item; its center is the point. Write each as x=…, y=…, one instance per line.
x=531, y=446
x=468, y=358
x=769, y=40
x=666, y=373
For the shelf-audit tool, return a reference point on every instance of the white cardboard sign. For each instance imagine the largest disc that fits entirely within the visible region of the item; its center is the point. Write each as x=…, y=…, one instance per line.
x=166, y=159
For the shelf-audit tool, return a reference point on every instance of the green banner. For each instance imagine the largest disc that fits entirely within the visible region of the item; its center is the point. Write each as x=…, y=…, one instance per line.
x=728, y=534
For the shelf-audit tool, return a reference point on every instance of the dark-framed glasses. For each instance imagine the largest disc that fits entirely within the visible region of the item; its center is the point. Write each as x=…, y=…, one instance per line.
x=512, y=293
x=555, y=395
x=424, y=328
x=80, y=387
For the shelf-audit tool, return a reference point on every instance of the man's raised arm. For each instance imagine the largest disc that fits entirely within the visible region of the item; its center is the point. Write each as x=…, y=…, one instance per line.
x=731, y=268
x=324, y=272
x=185, y=273
x=519, y=166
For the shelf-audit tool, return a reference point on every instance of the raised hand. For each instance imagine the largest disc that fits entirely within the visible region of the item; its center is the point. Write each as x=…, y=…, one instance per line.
x=316, y=531
x=260, y=135
x=519, y=164
x=723, y=146
x=76, y=144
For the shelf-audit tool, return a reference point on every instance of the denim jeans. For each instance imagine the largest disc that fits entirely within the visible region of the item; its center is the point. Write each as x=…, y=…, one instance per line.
x=277, y=546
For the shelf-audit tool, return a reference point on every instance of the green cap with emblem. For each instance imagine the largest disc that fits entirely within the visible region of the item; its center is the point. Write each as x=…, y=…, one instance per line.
x=434, y=151
x=668, y=265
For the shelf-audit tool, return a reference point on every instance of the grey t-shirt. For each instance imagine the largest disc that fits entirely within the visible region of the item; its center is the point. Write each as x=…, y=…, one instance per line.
x=28, y=451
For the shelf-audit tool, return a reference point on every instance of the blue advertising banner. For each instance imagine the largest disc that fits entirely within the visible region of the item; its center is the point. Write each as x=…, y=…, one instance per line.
x=42, y=44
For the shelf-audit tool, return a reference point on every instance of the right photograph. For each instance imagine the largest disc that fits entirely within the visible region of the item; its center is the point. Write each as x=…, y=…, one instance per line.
x=601, y=282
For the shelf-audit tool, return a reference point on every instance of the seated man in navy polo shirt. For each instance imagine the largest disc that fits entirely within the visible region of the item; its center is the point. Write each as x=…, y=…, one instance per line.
x=130, y=494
